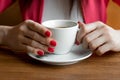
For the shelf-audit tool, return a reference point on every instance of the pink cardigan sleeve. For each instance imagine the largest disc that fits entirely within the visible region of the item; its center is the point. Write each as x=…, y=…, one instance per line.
x=4, y=4
x=30, y=9
x=95, y=10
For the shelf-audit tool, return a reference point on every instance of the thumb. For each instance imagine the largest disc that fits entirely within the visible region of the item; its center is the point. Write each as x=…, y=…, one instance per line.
x=81, y=25
x=81, y=33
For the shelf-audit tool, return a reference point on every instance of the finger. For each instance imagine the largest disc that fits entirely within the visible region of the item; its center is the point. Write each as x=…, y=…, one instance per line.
x=92, y=26
x=35, y=44
x=103, y=49
x=81, y=24
x=28, y=49
x=85, y=45
x=34, y=26
x=37, y=37
x=90, y=37
x=85, y=29
x=33, y=50
x=93, y=35
x=94, y=44
x=80, y=33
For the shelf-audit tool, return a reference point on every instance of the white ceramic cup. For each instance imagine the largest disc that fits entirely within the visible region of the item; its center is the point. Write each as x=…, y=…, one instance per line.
x=64, y=32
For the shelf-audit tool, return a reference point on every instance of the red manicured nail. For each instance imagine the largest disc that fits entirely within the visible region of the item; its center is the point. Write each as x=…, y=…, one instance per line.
x=77, y=43
x=47, y=33
x=78, y=22
x=51, y=49
x=53, y=43
x=40, y=53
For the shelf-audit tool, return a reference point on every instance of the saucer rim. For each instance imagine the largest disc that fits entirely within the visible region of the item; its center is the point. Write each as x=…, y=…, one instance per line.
x=72, y=60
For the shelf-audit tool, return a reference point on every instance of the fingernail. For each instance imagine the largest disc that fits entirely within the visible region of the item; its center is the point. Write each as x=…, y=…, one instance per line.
x=47, y=33
x=78, y=22
x=51, y=49
x=40, y=53
x=53, y=43
x=77, y=43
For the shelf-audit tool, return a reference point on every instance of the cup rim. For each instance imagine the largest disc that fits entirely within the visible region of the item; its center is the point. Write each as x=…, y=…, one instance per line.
x=75, y=24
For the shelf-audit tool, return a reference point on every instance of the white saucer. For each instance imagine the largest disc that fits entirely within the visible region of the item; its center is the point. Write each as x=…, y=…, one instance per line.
x=75, y=55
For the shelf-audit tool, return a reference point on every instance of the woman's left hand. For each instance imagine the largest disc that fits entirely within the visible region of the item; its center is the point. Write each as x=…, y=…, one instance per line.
x=98, y=37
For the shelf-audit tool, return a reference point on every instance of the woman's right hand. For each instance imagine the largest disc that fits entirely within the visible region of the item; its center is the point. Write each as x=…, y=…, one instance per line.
x=29, y=37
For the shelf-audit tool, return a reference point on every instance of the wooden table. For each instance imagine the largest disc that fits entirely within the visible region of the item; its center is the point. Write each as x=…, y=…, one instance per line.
x=21, y=67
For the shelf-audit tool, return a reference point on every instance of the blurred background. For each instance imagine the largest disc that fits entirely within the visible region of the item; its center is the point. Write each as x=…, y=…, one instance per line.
x=12, y=15
x=113, y=15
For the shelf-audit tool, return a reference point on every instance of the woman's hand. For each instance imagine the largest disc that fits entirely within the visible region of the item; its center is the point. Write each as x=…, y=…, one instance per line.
x=29, y=36
x=98, y=37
